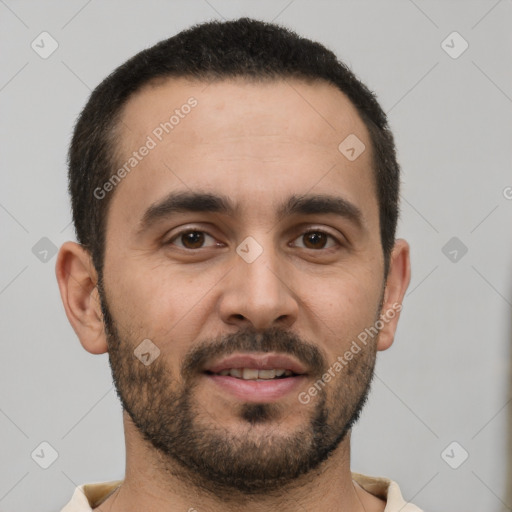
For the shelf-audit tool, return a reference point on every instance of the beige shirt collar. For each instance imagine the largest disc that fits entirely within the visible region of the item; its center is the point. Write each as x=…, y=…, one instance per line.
x=87, y=496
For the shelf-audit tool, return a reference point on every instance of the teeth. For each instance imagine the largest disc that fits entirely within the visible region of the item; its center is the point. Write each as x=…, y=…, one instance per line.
x=249, y=373
x=265, y=374
x=255, y=374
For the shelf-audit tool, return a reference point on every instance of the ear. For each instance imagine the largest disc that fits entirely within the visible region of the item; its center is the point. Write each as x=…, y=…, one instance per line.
x=77, y=280
x=398, y=279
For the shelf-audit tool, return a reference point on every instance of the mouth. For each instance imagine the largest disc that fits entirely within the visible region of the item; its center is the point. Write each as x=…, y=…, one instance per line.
x=256, y=378
x=255, y=373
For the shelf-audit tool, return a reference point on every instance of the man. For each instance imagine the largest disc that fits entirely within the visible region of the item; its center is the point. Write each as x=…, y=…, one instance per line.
x=234, y=193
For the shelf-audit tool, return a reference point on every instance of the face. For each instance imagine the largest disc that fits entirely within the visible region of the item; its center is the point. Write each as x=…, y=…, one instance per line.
x=242, y=242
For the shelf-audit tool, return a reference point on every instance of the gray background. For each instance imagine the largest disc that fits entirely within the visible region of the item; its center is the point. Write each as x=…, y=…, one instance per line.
x=448, y=375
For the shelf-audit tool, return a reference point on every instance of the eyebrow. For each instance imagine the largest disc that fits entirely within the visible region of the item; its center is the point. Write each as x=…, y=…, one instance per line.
x=182, y=202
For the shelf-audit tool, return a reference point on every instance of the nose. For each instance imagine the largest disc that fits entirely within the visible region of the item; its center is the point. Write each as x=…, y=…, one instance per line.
x=259, y=294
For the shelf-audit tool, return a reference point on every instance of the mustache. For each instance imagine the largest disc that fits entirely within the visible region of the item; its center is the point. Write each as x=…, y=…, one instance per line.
x=250, y=340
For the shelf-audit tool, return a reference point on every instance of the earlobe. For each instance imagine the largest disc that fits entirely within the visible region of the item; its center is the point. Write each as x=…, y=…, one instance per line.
x=77, y=279
x=397, y=282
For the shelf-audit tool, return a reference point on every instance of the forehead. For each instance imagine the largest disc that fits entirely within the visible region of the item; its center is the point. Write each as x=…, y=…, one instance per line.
x=316, y=112
x=253, y=140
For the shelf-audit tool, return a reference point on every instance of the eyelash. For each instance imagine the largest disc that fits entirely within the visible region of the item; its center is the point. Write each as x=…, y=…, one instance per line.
x=311, y=230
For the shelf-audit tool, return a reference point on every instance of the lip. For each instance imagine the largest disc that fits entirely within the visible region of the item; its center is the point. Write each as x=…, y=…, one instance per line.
x=257, y=390
x=266, y=361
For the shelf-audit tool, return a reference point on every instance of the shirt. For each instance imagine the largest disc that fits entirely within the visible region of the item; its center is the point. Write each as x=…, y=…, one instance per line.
x=87, y=496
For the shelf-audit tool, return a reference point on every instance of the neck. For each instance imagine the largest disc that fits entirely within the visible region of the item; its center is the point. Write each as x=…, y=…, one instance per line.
x=155, y=484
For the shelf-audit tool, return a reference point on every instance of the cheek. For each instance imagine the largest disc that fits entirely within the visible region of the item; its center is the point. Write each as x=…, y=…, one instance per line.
x=160, y=303
x=344, y=308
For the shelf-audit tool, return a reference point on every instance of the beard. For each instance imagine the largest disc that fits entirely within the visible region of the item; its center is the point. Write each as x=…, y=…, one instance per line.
x=258, y=456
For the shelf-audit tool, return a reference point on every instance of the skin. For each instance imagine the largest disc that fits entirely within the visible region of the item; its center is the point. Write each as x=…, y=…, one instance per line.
x=256, y=143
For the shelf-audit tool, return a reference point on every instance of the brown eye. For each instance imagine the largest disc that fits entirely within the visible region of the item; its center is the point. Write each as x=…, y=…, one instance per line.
x=191, y=239
x=316, y=240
